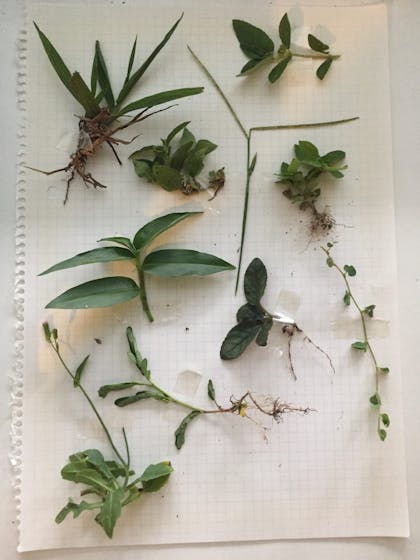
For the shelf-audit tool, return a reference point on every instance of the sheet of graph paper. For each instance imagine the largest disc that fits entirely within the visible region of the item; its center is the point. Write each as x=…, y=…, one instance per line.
x=322, y=474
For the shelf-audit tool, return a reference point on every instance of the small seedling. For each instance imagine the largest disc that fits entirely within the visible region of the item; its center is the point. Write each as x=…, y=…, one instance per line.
x=301, y=177
x=174, y=165
x=165, y=263
x=103, y=109
x=113, y=483
x=363, y=345
x=266, y=406
x=260, y=49
x=255, y=322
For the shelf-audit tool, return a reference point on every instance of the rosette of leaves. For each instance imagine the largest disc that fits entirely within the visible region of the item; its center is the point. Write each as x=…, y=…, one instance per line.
x=175, y=163
x=301, y=177
x=165, y=263
x=103, y=108
x=111, y=483
x=261, y=50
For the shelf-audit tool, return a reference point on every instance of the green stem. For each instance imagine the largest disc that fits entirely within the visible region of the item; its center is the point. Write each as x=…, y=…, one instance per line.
x=315, y=56
x=302, y=125
x=142, y=286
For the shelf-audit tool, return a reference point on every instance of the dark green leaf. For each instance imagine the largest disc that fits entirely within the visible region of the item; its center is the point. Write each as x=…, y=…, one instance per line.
x=75, y=509
x=129, y=84
x=385, y=420
x=279, y=68
x=351, y=271
x=210, y=391
x=79, y=372
x=252, y=165
x=83, y=95
x=159, y=98
x=187, y=136
x=336, y=173
x=140, y=396
x=178, y=159
x=375, y=400
x=284, y=30
x=103, y=77
x=116, y=469
x=347, y=298
x=170, y=263
x=330, y=262
x=238, y=338
x=323, y=68
x=249, y=312
x=180, y=431
x=156, y=476
x=306, y=151
x=359, y=345
x=99, y=255
x=368, y=310
x=47, y=331
x=143, y=153
x=262, y=336
x=333, y=157
x=102, y=292
x=253, y=41
x=110, y=511
x=175, y=131
x=143, y=169
x=194, y=162
x=148, y=232
x=255, y=281
x=106, y=389
x=94, y=75
x=382, y=434
x=317, y=45
x=250, y=65
x=167, y=177
x=131, y=60
x=121, y=241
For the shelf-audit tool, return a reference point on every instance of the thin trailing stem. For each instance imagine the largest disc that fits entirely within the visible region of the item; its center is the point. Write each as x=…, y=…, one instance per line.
x=250, y=165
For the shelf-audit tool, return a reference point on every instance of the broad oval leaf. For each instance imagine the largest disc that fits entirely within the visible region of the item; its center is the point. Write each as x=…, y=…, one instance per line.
x=156, y=476
x=159, y=98
x=99, y=255
x=143, y=169
x=278, y=70
x=323, y=68
x=167, y=177
x=253, y=41
x=250, y=65
x=102, y=292
x=171, y=263
x=317, y=45
x=148, y=232
x=331, y=158
x=255, y=281
x=238, y=338
x=306, y=151
x=249, y=312
x=285, y=31
x=180, y=431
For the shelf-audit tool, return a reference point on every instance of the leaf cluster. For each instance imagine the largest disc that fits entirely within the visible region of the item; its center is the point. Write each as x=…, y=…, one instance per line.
x=165, y=263
x=173, y=165
x=260, y=49
x=99, y=94
x=301, y=175
x=253, y=321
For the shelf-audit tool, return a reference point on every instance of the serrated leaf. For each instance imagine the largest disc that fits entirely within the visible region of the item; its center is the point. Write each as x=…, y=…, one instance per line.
x=103, y=77
x=75, y=509
x=151, y=230
x=249, y=312
x=285, y=31
x=171, y=263
x=140, y=396
x=159, y=99
x=210, y=391
x=255, y=281
x=110, y=511
x=254, y=42
x=317, y=45
x=102, y=292
x=279, y=68
x=349, y=269
x=79, y=372
x=358, y=345
x=238, y=339
x=106, y=389
x=156, y=476
x=323, y=68
x=262, y=336
x=180, y=431
x=99, y=255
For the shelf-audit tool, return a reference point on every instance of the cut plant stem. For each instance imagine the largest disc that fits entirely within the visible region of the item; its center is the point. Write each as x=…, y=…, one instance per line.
x=251, y=160
x=142, y=287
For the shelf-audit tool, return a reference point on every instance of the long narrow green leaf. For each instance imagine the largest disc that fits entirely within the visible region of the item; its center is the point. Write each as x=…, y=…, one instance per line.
x=56, y=61
x=94, y=76
x=159, y=98
x=171, y=263
x=83, y=95
x=128, y=86
x=99, y=255
x=148, y=232
x=103, y=77
x=102, y=292
x=131, y=61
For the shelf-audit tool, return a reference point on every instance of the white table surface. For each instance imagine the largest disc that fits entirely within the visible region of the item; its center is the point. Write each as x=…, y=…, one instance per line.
x=404, y=18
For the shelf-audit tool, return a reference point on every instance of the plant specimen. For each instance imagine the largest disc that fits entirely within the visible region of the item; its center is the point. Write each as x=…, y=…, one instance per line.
x=174, y=167
x=113, y=483
x=364, y=345
x=266, y=406
x=260, y=49
x=301, y=177
x=251, y=160
x=103, y=110
x=254, y=322
x=166, y=263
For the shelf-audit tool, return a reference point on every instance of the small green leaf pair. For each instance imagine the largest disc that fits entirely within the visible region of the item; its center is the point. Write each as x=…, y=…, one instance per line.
x=260, y=49
x=165, y=263
x=254, y=322
x=102, y=479
x=174, y=167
